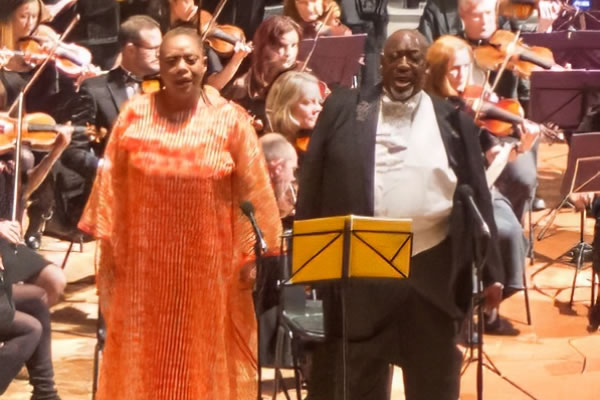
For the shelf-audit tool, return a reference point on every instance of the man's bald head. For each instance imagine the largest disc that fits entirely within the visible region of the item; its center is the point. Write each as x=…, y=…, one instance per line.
x=403, y=64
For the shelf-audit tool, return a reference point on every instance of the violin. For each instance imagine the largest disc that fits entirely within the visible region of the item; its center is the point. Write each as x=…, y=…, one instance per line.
x=222, y=38
x=39, y=131
x=71, y=59
x=499, y=116
x=504, y=46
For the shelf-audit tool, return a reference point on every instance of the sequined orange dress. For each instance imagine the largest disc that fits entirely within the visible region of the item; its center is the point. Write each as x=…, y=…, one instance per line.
x=180, y=323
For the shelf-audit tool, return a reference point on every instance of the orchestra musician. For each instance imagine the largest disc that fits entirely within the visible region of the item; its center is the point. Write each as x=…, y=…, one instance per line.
x=275, y=51
x=173, y=13
x=371, y=18
x=440, y=17
x=384, y=139
x=100, y=99
x=449, y=65
x=322, y=16
x=293, y=105
x=518, y=181
x=165, y=207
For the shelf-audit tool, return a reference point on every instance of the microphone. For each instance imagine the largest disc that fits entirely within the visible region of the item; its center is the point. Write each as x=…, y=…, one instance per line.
x=248, y=210
x=465, y=192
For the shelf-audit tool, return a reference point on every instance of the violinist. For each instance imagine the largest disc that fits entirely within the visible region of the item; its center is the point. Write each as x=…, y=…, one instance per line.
x=314, y=16
x=449, y=64
x=18, y=19
x=275, y=51
x=293, y=106
x=519, y=179
x=174, y=13
x=99, y=100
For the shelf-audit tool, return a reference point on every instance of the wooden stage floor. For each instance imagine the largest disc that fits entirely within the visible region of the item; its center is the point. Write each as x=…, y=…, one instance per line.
x=553, y=359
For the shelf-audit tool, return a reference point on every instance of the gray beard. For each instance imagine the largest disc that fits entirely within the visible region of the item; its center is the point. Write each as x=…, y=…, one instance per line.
x=402, y=95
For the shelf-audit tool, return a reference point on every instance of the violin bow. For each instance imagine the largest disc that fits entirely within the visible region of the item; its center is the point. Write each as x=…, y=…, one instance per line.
x=314, y=45
x=212, y=21
x=19, y=103
x=17, y=160
x=44, y=63
x=507, y=56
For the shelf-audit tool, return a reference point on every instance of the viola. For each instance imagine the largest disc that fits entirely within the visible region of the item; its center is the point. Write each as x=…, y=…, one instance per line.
x=39, y=131
x=522, y=59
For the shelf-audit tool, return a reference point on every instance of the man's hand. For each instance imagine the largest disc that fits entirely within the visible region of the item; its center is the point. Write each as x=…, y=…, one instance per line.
x=493, y=295
x=248, y=274
x=530, y=132
x=11, y=231
x=64, y=137
x=582, y=200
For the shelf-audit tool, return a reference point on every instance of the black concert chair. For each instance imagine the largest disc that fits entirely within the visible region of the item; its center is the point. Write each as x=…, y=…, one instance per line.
x=300, y=323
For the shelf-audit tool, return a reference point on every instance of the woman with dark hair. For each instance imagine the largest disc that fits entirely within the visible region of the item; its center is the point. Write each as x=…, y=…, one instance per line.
x=26, y=340
x=275, y=51
x=175, y=13
x=174, y=279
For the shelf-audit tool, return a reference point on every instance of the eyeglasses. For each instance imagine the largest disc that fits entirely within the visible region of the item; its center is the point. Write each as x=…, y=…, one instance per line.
x=149, y=48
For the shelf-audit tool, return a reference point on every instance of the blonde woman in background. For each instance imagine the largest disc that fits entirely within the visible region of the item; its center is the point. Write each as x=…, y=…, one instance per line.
x=293, y=106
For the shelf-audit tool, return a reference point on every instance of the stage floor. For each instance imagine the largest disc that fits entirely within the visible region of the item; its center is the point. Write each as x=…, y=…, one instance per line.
x=553, y=359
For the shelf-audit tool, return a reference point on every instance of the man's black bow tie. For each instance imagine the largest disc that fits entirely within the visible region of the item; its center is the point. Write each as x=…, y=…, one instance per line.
x=130, y=78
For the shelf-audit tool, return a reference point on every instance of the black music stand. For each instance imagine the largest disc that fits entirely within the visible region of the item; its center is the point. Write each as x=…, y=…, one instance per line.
x=335, y=59
x=582, y=175
x=562, y=97
x=581, y=49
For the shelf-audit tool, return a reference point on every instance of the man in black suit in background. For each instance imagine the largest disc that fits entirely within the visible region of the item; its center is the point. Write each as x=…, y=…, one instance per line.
x=392, y=151
x=100, y=98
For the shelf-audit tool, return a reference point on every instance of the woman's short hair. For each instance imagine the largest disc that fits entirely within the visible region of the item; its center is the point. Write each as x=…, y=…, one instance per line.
x=268, y=34
x=438, y=59
x=287, y=90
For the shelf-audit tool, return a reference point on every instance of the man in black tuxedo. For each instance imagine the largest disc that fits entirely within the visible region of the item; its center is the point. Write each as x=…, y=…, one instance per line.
x=392, y=151
x=98, y=101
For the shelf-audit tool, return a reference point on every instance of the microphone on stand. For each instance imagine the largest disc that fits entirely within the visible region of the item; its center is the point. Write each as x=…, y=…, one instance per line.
x=248, y=210
x=466, y=194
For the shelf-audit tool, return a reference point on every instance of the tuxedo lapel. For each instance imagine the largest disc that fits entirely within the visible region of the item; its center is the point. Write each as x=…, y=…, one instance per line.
x=446, y=118
x=116, y=88
x=367, y=117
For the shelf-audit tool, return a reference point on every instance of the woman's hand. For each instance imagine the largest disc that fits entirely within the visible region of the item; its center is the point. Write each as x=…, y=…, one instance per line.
x=11, y=231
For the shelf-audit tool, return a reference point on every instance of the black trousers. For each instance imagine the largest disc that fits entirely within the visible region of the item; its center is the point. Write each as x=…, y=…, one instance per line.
x=408, y=331
x=27, y=341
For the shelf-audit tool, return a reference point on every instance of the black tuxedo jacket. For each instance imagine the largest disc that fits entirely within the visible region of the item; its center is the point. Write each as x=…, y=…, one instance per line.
x=98, y=103
x=337, y=178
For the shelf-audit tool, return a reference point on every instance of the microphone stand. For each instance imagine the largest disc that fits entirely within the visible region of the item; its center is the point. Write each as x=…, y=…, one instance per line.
x=481, y=247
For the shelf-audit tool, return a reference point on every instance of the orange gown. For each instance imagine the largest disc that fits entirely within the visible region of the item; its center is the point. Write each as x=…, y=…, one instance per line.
x=165, y=206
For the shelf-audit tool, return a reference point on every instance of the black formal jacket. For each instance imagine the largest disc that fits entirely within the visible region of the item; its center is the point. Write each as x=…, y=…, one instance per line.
x=98, y=103
x=337, y=178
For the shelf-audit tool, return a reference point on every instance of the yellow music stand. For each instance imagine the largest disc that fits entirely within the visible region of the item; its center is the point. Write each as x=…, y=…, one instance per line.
x=339, y=248
x=350, y=247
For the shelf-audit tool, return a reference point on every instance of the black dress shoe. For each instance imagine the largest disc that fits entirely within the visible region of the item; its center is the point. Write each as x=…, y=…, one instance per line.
x=500, y=326
x=594, y=318
x=538, y=204
x=34, y=241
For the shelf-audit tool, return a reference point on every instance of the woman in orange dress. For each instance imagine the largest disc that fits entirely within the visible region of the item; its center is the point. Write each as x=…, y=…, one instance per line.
x=174, y=276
